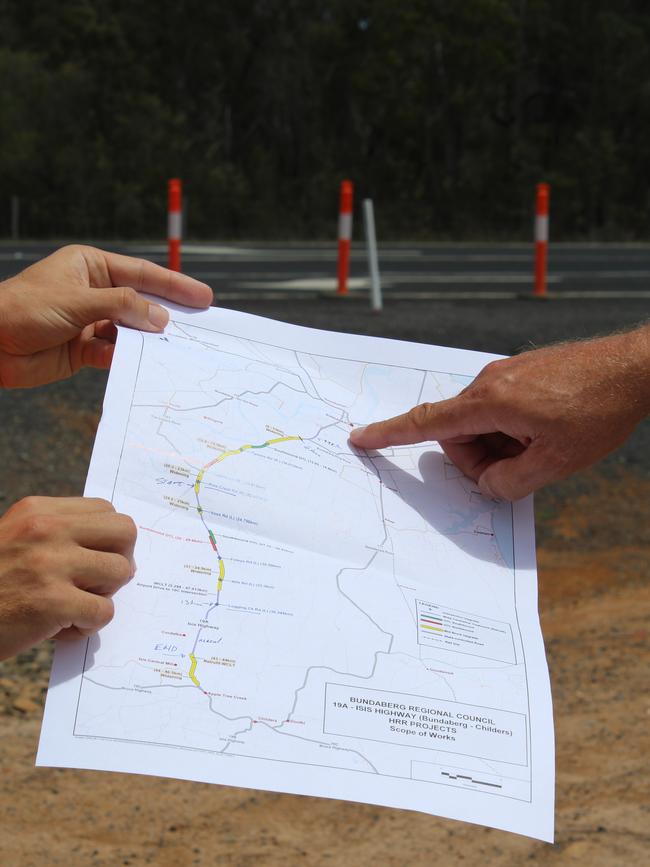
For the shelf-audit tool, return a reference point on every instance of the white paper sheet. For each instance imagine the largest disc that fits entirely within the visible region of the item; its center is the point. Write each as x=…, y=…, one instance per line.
x=307, y=617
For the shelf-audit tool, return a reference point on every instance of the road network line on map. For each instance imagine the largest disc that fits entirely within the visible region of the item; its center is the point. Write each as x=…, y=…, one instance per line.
x=219, y=402
x=265, y=361
x=276, y=730
x=213, y=541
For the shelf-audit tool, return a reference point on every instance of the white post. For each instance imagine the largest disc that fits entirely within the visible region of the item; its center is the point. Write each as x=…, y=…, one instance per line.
x=373, y=264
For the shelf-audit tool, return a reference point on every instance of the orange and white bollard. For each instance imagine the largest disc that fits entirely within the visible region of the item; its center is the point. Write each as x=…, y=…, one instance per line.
x=174, y=224
x=345, y=235
x=541, y=239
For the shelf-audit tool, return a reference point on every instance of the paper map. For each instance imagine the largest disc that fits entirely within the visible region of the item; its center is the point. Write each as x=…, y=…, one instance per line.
x=307, y=617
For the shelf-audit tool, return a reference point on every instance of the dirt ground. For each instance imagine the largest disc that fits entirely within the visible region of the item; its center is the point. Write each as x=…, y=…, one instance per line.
x=594, y=559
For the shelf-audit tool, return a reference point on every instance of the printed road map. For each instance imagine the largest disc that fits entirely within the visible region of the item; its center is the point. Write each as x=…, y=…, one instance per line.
x=307, y=617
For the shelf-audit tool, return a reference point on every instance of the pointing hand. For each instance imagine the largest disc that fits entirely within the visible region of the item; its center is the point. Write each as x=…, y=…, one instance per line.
x=535, y=418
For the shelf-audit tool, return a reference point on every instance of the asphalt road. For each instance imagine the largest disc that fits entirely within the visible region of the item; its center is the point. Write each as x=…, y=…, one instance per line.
x=408, y=271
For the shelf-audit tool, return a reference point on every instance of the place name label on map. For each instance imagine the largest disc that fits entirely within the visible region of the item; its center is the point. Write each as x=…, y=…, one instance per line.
x=177, y=503
x=177, y=470
x=211, y=444
x=428, y=723
x=198, y=570
x=219, y=660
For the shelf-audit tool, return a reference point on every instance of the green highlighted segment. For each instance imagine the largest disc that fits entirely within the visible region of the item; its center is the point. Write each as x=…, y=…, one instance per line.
x=249, y=446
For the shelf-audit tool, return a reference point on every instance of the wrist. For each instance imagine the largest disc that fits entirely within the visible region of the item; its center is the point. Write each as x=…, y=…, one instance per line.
x=12, y=327
x=7, y=295
x=630, y=352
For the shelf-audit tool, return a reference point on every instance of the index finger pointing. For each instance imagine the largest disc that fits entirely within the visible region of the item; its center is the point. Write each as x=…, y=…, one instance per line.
x=145, y=276
x=444, y=420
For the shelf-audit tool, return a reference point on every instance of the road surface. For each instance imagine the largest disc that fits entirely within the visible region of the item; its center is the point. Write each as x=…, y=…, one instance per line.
x=408, y=271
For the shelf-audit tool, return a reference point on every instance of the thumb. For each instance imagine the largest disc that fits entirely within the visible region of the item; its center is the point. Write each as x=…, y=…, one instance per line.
x=459, y=416
x=120, y=304
x=514, y=478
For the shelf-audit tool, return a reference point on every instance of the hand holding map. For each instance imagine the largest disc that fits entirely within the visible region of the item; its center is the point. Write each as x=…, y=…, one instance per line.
x=61, y=561
x=59, y=314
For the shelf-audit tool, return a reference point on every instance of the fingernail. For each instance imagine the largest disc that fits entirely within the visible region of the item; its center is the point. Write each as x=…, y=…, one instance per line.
x=158, y=316
x=356, y=432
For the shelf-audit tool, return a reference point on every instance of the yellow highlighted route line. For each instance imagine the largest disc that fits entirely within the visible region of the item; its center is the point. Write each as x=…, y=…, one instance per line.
x=197, y=486
x=192, y=673
x=238, y=451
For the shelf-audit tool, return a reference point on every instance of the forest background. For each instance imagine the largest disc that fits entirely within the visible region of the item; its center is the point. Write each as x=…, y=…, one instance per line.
x=445, y=112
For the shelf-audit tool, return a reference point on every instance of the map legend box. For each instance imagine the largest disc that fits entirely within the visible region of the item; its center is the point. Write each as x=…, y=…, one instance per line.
x=446, y=628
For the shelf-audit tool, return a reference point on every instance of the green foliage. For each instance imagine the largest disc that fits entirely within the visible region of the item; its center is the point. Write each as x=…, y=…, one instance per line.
x=446, y=113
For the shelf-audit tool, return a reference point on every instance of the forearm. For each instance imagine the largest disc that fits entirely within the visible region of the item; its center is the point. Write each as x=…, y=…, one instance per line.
x=640, y=346
x=627, y=355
